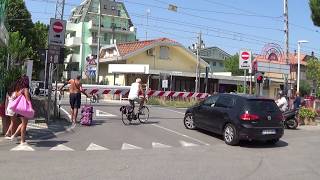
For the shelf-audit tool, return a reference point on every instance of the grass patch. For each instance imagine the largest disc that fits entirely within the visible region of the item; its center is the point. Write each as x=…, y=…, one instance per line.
x=177, y=103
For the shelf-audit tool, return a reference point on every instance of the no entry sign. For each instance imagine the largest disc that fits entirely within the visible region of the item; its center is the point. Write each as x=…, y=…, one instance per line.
x=245, y=55
x=56, y=32
x=57, y=27
x=245, y=59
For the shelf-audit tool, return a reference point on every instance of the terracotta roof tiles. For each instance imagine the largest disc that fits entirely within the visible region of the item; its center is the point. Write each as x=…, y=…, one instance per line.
x=127, y=48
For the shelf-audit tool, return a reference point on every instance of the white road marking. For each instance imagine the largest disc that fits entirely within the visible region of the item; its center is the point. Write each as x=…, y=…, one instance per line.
x=180, y=134
x=126, y=146
x=159, y=145
x=22, y=148
x=95, y=147
x=187, y=144
x=66, y=112
x=100, y=113
x=171, y=110
x=61, y=147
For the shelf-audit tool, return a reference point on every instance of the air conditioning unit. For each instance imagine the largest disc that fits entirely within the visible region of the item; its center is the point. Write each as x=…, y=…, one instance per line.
x=150, y=52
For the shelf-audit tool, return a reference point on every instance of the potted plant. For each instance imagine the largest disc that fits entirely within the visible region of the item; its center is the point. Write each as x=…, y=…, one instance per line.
x=307, y=116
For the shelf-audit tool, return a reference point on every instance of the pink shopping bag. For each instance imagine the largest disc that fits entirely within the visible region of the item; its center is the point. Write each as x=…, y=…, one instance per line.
x=21, y=106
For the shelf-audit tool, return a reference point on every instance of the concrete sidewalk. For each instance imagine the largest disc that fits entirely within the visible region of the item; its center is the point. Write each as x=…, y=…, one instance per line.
x=42, y=130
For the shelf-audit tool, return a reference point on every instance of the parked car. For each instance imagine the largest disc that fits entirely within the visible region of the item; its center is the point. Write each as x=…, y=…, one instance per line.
x=237, y=117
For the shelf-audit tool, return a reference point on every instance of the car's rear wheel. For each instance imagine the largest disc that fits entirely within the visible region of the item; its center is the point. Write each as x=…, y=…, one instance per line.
x=188, y=121
x=273, y=141
x=230, y=135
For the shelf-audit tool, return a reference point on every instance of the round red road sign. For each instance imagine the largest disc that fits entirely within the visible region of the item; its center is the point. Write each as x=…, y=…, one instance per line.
x=245, y=55
x=57, y=27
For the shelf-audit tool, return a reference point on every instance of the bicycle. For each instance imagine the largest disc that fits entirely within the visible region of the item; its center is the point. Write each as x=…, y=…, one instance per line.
x=128, y=114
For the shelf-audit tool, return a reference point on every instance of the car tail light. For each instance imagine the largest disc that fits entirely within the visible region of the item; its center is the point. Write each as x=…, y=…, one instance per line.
x=249, y=117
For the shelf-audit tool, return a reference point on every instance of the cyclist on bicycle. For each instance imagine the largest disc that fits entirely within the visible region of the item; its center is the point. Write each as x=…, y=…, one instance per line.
x=135, y=90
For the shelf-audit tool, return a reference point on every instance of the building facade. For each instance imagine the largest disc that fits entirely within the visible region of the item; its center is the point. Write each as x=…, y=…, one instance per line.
x=4, y=38
x=155, y=61
x=273, y=57
x=215, y=57
x=82, y=32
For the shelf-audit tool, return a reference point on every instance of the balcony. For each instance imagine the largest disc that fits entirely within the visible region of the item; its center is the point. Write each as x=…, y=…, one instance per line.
x=93, y=41
x=73, y=41
x=121, y=30
x=71, y=27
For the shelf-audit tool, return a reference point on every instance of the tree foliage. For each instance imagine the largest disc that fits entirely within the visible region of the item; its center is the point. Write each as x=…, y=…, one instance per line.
x=18, y=48
x=315, y=11
x=232, y=65
x=313, y=70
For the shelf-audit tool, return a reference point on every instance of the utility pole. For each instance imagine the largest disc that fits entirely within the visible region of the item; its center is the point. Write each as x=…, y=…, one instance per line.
x=197, y=82
x=98, y=48
x=286, y=32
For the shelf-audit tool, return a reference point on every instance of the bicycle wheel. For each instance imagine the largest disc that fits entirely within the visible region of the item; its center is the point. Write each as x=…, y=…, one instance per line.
x=143, y=115
x=124, y=118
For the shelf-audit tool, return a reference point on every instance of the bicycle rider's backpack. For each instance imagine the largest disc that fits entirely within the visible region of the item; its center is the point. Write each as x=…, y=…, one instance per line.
x=87, y=113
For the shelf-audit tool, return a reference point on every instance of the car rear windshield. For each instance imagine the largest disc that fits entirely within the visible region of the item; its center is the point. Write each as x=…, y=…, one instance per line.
x=262, y=105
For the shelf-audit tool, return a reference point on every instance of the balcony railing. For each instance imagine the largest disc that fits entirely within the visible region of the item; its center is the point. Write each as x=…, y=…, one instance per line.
x=73, y=41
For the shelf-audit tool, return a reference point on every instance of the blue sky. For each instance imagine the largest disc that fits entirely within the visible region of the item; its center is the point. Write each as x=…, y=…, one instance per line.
x=229, y=24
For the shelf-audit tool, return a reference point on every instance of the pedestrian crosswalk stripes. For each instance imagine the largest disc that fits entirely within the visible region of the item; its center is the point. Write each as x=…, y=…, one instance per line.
x=159, y=145
x=61, y=147
x=96, y=147
x=24, y=147
x=126, y=146
x=187, y=144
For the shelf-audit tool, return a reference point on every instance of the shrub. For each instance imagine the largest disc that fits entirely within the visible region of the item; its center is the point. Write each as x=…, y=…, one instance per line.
x=307, y=115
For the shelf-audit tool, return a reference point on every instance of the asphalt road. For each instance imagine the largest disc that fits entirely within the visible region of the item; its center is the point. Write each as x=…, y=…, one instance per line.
x=160, y=149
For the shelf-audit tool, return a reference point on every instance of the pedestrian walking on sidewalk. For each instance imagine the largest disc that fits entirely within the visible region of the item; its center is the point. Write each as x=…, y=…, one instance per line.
x=75, y=91
x=22, y=88
x=11, y=95
x=297, y=101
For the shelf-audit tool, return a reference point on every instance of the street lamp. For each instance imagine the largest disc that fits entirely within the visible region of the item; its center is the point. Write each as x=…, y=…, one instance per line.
x=298, y=78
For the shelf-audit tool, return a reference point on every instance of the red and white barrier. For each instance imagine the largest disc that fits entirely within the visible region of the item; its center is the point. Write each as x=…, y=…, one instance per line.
x=150, y=93
x=123, y=91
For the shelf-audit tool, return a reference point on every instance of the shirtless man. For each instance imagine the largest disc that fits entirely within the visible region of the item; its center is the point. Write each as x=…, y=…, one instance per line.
x=75, y=91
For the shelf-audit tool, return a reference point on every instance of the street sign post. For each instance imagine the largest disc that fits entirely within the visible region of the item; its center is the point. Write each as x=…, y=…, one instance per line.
x=54, y=54
x=164, y=83
x=57, y=32
x=245, y=59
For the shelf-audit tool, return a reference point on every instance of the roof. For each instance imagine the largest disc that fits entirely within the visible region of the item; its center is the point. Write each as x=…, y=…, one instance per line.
x=293, y=59
x=127, y=48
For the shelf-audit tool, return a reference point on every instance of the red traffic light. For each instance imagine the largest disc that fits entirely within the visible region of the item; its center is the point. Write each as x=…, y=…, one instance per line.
x=259, y=79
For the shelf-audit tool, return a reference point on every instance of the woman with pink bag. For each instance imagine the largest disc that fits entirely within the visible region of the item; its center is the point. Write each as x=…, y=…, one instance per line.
x=22, y=107
x=11, y=95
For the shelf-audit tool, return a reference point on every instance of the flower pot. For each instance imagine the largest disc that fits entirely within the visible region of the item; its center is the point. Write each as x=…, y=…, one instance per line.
x=306, y=121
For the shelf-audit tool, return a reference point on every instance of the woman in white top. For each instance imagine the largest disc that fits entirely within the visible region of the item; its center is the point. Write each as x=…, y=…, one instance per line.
x=11, y=95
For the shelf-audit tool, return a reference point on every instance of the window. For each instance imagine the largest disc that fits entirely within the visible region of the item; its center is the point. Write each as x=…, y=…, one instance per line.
x=214, y=64
x=164, y=52
x=105, y=6
x=225, y=101
x=210, y=101
x=105, y=37
x=221, y=64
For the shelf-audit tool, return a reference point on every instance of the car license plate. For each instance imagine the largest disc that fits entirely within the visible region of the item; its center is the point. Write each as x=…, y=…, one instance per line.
x=269, y=131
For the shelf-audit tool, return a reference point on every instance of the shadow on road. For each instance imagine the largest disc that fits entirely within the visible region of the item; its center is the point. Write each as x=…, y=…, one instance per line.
x=46, y=143
x=249, y=144
x=262, y=144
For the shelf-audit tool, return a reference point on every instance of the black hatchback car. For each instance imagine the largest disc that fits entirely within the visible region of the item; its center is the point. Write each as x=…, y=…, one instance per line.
x=237, y=117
